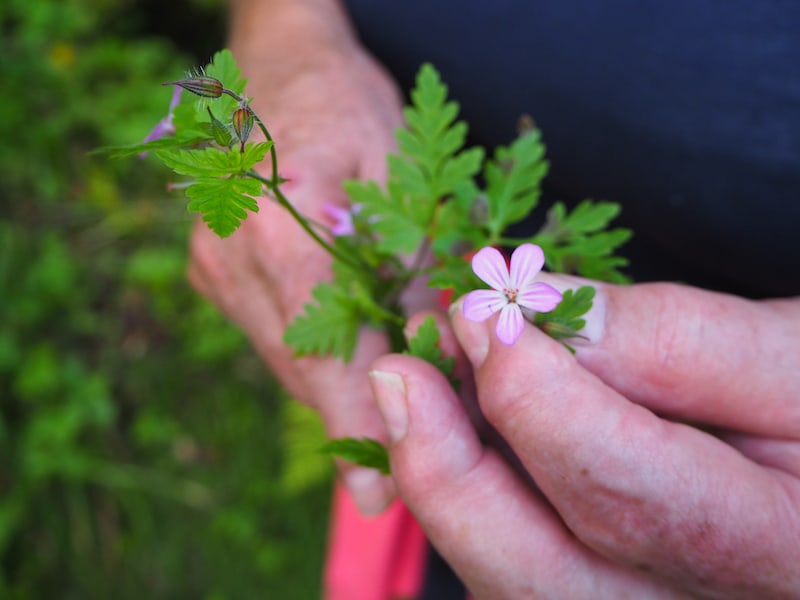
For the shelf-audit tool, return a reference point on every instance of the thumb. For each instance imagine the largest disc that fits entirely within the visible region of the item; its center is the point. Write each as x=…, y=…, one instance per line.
x=697, y=355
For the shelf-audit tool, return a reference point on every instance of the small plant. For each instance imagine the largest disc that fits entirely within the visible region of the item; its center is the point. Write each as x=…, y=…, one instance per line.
x=442, y=203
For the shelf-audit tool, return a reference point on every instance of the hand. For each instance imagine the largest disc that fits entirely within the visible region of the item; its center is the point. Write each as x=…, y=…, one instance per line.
x=633, y=503
x=332, y=112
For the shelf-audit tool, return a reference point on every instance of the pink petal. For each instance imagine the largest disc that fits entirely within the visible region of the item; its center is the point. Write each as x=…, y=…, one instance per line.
x=510, y=324
x=526, y=261
x=342, y=219
x=176, y=98
x=489, y=264
x=162, y=129
x=482, y=304
x=539, y=296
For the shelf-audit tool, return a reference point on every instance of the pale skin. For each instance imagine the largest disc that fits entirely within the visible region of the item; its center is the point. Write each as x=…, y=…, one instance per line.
x=632, y=504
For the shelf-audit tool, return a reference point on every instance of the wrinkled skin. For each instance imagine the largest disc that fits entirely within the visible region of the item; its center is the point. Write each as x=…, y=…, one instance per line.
x=634, y=501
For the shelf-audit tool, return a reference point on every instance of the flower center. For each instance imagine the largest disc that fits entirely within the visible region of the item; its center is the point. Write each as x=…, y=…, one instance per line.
x=511, y=295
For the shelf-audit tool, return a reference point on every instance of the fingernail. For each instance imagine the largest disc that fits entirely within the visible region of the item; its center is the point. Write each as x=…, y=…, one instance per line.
x=455, y=306
x=367, y=490
x=390, y=394
x=595, y=319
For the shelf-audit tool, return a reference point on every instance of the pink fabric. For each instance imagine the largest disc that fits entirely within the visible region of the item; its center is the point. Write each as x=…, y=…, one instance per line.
x=373, y=558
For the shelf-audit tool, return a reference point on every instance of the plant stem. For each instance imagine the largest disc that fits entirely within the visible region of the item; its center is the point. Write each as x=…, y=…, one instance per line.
x=273, y=184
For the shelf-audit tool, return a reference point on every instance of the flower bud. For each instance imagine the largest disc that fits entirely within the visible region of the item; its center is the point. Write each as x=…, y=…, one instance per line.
x=479, y=210
x=243, y=124
x=208, y=87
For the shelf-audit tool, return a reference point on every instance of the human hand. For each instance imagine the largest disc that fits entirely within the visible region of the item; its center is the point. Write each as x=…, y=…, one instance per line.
x=332, y=112
x=633, y=503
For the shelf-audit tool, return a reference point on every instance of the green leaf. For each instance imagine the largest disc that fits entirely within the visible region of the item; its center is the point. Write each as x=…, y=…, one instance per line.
x=224, y=202
x=513, y=178
x=566, y=319
x=395, y=218
x=429, y=168
x=223, y=66
x=580, y=241
x=365, y=452
x=328, y=326
x=214, y=162
x=425, y=345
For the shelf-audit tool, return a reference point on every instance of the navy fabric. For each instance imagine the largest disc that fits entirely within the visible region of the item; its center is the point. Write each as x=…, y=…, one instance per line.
x=687, y=112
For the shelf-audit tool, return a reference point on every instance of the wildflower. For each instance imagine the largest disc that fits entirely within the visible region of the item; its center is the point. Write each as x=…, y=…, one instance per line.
x=164, y=127
x=243, y=120
x=515, y=292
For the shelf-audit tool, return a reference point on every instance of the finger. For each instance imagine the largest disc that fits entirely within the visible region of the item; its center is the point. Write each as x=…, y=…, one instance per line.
x=499, y=537
x=650, y=494
x=464, y=378
x=699, y=356
x=782, y=455
x=251, y=292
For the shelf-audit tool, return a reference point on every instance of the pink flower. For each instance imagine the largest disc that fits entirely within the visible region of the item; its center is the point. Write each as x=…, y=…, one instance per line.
x=514, y=291
x=164, y=127
x=342, y=218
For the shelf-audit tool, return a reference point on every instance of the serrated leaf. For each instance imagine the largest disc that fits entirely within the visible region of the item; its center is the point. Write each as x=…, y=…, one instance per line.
x=224, y=202
x=579, y=241
x=429, y=169
x=398, y=222
x=425, y=345
x=223, y=66
x=365, y=452
x=328, y=326
x=513, y=178
x=566, y=319
x=214, y=162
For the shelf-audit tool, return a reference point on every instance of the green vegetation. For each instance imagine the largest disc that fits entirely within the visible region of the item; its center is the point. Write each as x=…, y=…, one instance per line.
x=144, y=451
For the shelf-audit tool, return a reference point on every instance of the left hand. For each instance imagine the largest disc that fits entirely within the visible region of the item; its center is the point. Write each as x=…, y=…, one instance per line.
x=633, y=502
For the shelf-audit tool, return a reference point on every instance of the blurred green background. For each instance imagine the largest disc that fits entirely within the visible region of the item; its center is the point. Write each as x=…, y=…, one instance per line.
x=144, y=451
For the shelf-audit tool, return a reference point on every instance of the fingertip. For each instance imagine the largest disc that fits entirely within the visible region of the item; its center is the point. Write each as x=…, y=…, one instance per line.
x=473, y=337
x=436, y=436
x=371, y=491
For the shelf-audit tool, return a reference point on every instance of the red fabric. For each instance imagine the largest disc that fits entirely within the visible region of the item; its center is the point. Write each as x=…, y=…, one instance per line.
x=373, y=558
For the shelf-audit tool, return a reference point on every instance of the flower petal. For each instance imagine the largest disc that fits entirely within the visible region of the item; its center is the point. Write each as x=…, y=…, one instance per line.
x=342, y=219
x=539, y=296
x=479, y=305
x=510, y=324
x=176, y=98
x=526, y=262
x=489, y=264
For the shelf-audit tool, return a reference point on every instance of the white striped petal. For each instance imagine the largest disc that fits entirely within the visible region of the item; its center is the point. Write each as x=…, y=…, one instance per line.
x=526, y=262
x=539, y=297
x=510, y=324
x=479, y=305
x=489, y=264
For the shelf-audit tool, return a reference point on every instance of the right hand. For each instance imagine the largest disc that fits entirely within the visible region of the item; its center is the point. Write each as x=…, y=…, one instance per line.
x=331, y=111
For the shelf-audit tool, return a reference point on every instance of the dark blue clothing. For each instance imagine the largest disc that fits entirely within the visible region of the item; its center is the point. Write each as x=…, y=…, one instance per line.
x=686, y=112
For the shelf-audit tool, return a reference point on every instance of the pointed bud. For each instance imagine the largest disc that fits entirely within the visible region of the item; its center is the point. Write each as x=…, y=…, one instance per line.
x=479, y=211
x=208, y=87
x=243, y=124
